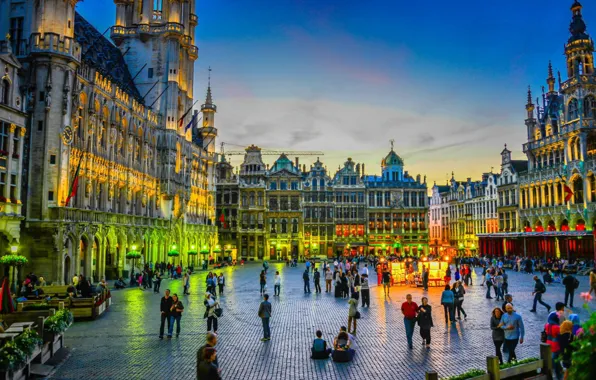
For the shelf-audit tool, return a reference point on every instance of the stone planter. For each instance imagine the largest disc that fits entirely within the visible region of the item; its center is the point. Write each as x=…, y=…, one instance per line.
x=20, y=374
x=521, y=369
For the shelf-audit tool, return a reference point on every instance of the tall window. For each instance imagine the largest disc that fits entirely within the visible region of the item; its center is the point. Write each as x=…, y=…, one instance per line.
x=157, y=9
x=16, y=34
x=5, y=94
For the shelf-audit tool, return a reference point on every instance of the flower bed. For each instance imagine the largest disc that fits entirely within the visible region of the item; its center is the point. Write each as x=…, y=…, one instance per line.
x=59, y=322
x=15, y=353
x=473, y=374
x=525, y=367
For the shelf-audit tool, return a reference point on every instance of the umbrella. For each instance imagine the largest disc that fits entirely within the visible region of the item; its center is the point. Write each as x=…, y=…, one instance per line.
x=6, y=304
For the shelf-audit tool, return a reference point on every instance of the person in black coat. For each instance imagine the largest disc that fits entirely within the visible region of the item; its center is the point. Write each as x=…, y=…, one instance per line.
x=207, y=370
x=425, y=321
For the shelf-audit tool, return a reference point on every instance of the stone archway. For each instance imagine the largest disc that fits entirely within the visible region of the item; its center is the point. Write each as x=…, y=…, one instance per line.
x=84, y=264
x=67, y=267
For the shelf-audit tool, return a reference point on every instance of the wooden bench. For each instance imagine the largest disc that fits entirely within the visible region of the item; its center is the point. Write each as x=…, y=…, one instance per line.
x=80, y=307
x=50, y=290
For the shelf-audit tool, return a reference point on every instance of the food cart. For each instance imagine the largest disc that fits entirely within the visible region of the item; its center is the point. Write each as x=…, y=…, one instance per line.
x=436, y=274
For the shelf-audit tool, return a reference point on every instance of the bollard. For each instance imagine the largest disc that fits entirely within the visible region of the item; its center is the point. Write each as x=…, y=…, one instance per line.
x=492, y=367
x=432, y=375
x=547, y=359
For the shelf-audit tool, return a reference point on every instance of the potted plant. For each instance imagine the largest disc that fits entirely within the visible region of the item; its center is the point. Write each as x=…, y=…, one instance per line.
x=12, y=357
x=584, y=352
x=520, y=367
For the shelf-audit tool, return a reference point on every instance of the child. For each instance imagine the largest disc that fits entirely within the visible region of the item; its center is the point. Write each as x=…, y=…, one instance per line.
x=319, y=348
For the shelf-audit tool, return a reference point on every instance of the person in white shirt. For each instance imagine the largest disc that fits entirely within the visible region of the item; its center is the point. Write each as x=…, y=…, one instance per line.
x=276, y=283
x=328, y=279
x=364, y=270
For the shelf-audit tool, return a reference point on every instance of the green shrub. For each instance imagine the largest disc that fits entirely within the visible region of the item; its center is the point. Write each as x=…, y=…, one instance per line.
x=519, y=362
x=59, y=322
x=466, y=375
x=584, y=352
x=37, y=306
x=11, y=356
x=28, y=341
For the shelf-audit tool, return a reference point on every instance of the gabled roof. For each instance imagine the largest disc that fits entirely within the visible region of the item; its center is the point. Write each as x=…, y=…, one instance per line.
x=392, y=159
x=443, y=189
x=100, y=53
x=283, y=163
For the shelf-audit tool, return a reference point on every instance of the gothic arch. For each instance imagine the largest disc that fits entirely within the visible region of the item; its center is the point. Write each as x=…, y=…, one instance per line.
x=572, y=109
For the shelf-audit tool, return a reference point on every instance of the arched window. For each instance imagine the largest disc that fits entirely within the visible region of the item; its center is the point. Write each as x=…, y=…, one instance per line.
x=549, y=130
x=314, y=183
x=578, y=190
x=322, y=182
x=294, y=226
x=572, y=111
x=537, y=134
x=284, y=226
x=5, y=92
x=590, y=106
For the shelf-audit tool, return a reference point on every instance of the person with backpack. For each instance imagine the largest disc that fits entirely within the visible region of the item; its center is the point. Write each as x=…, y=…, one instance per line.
x=539, y=290
x=571, y=283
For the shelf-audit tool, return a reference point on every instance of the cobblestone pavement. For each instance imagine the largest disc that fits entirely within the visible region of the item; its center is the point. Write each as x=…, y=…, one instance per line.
x=124, y=344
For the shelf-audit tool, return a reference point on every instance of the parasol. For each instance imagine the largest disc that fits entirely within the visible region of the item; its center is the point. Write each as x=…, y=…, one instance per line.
x=6, y=303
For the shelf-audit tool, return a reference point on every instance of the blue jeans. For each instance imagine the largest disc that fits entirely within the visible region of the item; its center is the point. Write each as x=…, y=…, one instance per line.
x=409, y=323
x=538, y=299
x=276, y=289
x=488, y=291
x=266, y=329
x=171, y=326
x=306, y=287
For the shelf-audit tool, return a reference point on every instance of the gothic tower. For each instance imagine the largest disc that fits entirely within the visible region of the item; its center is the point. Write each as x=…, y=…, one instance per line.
x=158, y=39
x=208, y=131
x=580, y=47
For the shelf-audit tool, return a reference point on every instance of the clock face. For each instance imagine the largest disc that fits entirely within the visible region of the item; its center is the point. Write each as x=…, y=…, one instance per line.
x=67, y=135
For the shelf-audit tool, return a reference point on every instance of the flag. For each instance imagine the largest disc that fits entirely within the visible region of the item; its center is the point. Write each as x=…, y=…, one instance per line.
x=192, y=122
x=75, y=183
x=568, y=192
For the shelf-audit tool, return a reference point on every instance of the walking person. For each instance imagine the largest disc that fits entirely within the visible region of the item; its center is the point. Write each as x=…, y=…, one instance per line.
x=276, y=284
x=458, y=293
x=571, y=283
x=513, y=325
x=353, y=313
x=425, y=277
x=221, y=282
x=210, y=305
x=365, y=290
x=157, y=282
x=211, y=342
x=317, y=280
x=265, y=315
x=185, y=283
x=207, y=369
x=498, y=285
x=489, y=282
x=263, y=281
x=448, y=301
x=175, y=315
x=539, y=290
x=386, y=280
x=306, y=280
x=425, y=321
x=498, y=333
x=164, y=307
x=410, y=310
x=328, y=279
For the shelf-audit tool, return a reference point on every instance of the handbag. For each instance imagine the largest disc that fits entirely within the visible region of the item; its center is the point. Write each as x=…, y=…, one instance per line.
x=357, y=315
x=218, y=312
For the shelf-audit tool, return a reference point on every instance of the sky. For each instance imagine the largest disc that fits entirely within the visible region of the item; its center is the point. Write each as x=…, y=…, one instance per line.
x=447, y=80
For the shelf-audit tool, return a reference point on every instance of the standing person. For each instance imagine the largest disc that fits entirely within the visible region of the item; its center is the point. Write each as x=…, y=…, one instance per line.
x=221, y=282
x=539, y=290
x=498, y=333
x=345, y=286
x=386, y=280
x=263, y=281
x=265, y=315
x=307, y=265
x=317, y=280
x=409, y=309
x=328, y=279
x=552, y=330
x=175, y=315
x=211, y=305
x=425, y=321
x=489, y=282
x=458, y=294
x=425, y=277
x=571, y=283
x=276, y=284
x=185, y=282
x=498, y=284
x=513, y=325
x=592, y=282
x=365, y=290
x=566, y=337
x=164, y=307
x=364, y=270
x=306, y=280
x=448, y=301
x=353, y=313
x=157, y=282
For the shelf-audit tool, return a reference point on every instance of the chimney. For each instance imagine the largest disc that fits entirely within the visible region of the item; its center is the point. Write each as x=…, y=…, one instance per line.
x=358, y=169
x=304, y=168
x=363, y=173
x=297, y=163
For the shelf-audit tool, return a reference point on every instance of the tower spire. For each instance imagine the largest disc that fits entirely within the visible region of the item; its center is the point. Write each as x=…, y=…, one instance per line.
x=551, y=78
x=209, y=99
x=530, y=105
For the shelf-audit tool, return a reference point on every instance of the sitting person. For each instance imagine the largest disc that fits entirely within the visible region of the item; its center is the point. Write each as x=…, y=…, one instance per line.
x=120, y=284
x=42, y=282
x=548, y=278
x=342, y=351
x=319, y=348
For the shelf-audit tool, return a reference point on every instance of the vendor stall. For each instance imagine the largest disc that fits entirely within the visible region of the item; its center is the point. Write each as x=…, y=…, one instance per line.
x=436, y=274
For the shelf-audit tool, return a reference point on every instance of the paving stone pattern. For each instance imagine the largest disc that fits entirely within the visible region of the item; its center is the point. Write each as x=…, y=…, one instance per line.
x=124, y=344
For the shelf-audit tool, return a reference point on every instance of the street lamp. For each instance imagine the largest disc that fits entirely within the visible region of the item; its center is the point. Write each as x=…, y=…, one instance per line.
x=14, y=248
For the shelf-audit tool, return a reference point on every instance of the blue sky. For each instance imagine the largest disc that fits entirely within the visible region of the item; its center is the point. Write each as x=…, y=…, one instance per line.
x=446, y=80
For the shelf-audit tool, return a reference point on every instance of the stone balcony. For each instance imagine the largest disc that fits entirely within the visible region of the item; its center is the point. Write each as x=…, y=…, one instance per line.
x=48, y=43
x=67, y=214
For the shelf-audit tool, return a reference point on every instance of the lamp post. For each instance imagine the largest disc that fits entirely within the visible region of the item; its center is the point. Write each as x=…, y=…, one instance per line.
x=133, y=255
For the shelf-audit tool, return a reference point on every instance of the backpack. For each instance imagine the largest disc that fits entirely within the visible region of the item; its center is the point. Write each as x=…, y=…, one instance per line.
x=575, y=283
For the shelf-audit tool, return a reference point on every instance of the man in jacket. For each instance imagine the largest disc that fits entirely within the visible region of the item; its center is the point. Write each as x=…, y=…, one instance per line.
x=164, y=307
x=570, y=283
x=539, y=290
x=265, y=314
x=211, y=343
x=425, y=277
x=317, y=280
x=306, y=281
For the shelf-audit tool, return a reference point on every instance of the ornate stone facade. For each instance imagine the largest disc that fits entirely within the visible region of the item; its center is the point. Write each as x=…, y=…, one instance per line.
x=141, y=180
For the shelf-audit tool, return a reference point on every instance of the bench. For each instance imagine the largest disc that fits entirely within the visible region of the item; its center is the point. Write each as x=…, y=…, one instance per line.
x=55, y=290
x=90, y=307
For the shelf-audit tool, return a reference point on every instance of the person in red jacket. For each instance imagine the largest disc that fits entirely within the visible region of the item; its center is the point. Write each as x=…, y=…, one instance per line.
x=410, y=310
x=551, y=328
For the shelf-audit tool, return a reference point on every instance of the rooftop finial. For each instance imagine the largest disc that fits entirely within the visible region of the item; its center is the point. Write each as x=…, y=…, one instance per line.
x=550, y=70
x=392, y=141
x=209, y=99
x=529, y=95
